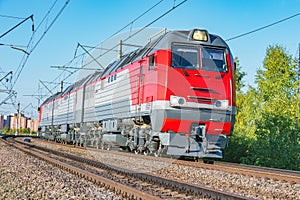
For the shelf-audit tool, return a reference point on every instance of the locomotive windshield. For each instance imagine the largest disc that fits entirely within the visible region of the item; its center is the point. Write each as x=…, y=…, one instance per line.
x=213, y=60
x=187, y=57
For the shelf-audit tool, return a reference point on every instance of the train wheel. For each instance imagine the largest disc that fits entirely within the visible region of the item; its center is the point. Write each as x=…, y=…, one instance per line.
x=146, y=152
x=208, y=161
x=102, y=145
x=161, y=149
x=157, y=153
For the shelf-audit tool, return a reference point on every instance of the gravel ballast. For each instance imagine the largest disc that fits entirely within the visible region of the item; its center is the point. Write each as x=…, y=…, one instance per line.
x=25, y=177
x=253, y=187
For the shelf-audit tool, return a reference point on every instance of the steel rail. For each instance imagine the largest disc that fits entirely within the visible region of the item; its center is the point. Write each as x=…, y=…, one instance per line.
x=274, y=173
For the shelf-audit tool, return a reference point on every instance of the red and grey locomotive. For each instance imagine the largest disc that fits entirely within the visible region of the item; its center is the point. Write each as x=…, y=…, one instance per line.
x=175, y=95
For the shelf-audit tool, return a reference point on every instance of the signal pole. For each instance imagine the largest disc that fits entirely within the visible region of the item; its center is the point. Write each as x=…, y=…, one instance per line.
x=18, y=116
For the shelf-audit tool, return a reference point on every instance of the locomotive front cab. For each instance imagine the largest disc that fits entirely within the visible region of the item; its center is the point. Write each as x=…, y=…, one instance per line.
x=200, y=106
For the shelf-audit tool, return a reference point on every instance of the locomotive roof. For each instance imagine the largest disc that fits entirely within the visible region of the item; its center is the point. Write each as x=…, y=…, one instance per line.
x=164, y=41
x=183, y=36
x=51, y=98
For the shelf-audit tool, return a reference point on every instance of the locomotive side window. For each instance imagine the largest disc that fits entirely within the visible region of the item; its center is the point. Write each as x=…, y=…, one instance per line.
x=213, y=60
x=185, y=57
x=151, y=62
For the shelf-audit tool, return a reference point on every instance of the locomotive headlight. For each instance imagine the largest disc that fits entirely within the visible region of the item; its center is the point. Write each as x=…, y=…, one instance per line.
x=177, y=100
x=221, y=104
x=200, y=35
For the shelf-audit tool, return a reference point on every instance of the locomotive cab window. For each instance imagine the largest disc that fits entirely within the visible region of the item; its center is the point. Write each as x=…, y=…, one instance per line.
x=213, y=60
x=185, y=57
x=151, y=62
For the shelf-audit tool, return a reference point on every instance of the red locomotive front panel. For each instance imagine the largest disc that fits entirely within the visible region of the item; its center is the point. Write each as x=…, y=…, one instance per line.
x=191, y=86
x=199, y=88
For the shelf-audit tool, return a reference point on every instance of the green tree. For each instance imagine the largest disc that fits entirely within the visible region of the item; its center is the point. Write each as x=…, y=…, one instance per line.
x=243, y=134
x=5, y=129
x=267, y=124
x=239, y=76
x=277, y=125
x=25, y=130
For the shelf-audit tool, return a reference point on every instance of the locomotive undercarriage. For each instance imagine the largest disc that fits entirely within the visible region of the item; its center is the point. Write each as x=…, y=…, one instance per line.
x=137, y=136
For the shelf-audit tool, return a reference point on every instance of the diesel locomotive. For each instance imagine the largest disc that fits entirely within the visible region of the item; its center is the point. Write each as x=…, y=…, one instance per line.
x=174, y=96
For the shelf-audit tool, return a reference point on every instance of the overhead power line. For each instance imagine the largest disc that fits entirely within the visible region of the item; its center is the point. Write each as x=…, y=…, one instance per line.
x=14, y=45
x=13, y=17
x=263, y=27
x=130, y=23
x=29, y=49
x=30, y=17
x=123, y=28
x=137, y=32
x=65, y=68
x=112, y=49
x=39, y=40
x=90, y=55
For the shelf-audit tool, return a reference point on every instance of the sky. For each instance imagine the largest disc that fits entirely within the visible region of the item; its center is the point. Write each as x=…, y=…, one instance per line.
x=91, y=22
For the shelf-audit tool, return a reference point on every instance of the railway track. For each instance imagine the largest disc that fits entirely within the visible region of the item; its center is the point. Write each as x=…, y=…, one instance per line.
x=127, y=183
x=248, y=170
x=289, y=176
x=283, y=175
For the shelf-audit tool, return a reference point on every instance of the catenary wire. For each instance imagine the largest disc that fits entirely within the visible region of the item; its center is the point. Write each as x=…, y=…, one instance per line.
x=137, y=18
x=263, y=27
x=149, y=24
x=130, y=23
x=44, y=33
x=111, y=49
x=12, y=17
x=25, y=57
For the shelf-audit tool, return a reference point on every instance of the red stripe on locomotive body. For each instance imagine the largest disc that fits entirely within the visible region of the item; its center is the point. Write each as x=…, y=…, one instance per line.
x=181, y=126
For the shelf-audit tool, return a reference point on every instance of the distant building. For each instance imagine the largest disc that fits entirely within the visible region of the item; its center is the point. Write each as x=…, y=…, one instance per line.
x=15, y=122
x=6, y=122
x=1, y=121
x=18, y=122
x=32, y=124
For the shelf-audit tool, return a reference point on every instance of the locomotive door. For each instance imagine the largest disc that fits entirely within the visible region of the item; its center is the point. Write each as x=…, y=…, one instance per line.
x=140, y=91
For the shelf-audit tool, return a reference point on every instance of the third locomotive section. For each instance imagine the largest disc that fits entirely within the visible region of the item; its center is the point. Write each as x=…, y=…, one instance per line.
x=176, y=96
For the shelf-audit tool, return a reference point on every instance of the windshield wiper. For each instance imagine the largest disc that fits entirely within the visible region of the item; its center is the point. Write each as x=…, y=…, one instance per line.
x=184, y=71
